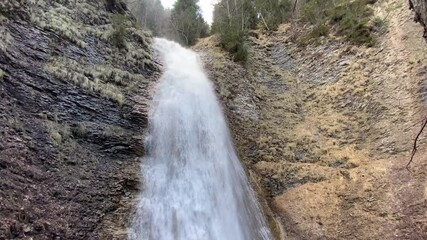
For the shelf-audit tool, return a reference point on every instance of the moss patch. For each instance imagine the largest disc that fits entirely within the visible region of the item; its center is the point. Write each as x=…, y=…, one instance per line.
x=106, y=80
x=5, y=38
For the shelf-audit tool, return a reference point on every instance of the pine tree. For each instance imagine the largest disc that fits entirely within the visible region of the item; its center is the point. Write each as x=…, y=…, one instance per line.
x=273, y=12
x=150, y=14
x=232, y=20
x=187, y=21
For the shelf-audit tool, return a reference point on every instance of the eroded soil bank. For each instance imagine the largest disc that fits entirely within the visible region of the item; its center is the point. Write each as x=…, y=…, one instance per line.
x=326, y=130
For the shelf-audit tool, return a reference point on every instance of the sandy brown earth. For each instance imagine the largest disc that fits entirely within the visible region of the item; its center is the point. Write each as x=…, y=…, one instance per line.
x=326, y=130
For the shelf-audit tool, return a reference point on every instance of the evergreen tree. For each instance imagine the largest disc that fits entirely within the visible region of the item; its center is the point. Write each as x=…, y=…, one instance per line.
x=273, y=12
x=232, y=20
x=150, y=14
x=187, y=21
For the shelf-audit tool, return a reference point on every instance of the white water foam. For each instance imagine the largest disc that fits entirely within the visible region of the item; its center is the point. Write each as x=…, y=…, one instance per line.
x=194, y=187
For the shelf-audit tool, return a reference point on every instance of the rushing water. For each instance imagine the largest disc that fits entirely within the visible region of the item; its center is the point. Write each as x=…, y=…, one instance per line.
x=194, y=185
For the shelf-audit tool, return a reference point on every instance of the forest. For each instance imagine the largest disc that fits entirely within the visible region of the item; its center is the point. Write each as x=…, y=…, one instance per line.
x=234, y=19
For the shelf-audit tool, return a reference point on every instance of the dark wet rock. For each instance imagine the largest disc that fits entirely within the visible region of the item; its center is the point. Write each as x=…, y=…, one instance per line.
x=299, y=155
x=420, y=13
x=281, y=57
x=67, y=154
x=116, y=6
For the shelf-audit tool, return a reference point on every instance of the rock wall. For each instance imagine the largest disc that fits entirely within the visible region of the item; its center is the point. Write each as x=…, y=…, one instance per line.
x=326, y=130
x=419, y=7
x=72, y=116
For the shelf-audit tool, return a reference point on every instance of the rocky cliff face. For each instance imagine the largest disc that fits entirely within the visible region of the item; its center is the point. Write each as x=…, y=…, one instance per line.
x=420, y=13
x=73, y=96
x=326, y=130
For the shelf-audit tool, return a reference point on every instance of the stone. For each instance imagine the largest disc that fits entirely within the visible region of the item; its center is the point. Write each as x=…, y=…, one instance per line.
x=343, y=63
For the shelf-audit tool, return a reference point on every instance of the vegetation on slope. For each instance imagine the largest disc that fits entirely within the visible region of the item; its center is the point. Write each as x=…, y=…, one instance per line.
x=328, y=128
x=233, y=20
x=73, y=21
x=74, y=85
x=352, y=20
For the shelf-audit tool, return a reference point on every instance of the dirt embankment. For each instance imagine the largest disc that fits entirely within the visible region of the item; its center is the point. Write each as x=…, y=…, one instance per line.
x=72, y=115
x=326, y=130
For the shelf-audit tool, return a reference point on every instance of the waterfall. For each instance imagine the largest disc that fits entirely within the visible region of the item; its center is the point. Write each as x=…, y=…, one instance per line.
x=194, y=187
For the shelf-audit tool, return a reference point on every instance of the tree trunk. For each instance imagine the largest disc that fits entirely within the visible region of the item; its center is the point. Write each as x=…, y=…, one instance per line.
x=229, y=14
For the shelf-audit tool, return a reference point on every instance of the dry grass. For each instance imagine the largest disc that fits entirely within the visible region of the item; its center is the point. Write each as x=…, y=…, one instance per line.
x=80, y=129
x=106, y=90
x=338, y=131
x=15, y=122
x=108, y=81
x=59, y=18
x=69, y=19
x=74, y=20
x=58, y=133
x=5, y=38
x=114, y=131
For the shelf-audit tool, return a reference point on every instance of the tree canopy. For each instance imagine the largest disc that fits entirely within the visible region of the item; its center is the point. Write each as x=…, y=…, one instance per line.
x=234, y=18
x=187, y=21
x=183, y=23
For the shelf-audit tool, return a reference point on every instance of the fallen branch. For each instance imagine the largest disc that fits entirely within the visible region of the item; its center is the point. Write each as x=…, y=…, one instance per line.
x=265, y=23
x=414, y=149
x=414, y=124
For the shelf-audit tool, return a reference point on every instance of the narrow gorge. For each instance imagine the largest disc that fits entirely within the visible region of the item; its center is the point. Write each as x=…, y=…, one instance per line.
x=302, y=131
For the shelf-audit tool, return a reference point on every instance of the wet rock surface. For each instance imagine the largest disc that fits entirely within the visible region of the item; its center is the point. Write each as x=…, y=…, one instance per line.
x=68, y=156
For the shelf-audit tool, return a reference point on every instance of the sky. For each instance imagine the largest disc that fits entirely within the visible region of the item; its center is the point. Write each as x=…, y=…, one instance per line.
x=205, y=5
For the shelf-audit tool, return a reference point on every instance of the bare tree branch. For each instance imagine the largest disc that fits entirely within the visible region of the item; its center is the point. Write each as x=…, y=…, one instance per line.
x=265, y=23
x=414, y=149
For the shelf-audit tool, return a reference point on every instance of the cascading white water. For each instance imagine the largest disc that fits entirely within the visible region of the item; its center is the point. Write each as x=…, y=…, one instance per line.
x=194, y=186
